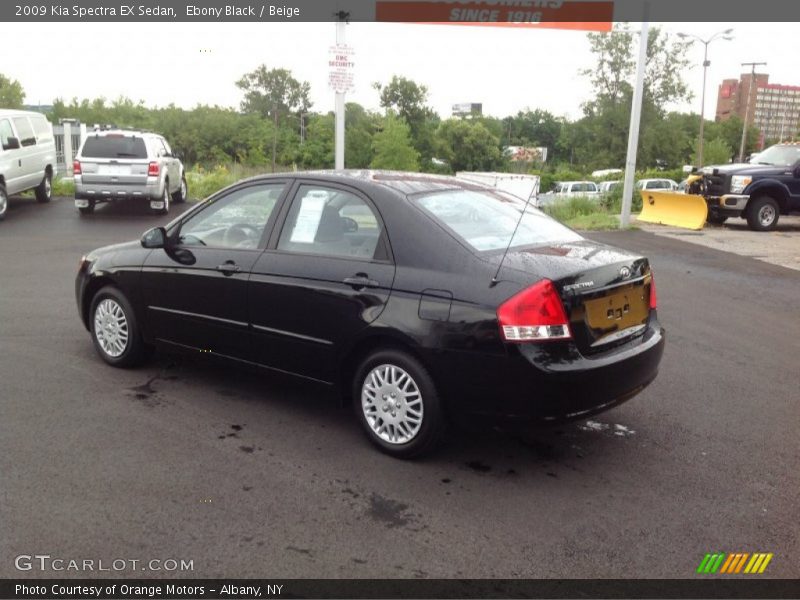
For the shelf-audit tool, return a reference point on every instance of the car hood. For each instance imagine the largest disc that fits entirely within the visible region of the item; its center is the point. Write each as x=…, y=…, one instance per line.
x=573, y=266
x=129, y=253
x=746, y=169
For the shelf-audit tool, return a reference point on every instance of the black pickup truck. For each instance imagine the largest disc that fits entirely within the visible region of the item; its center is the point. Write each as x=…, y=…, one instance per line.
x=759, y=191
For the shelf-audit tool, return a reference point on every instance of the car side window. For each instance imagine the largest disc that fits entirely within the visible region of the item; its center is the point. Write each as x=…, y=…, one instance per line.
x=237, y=220
x=6, y=132
x=25, y=131
x=331, y=222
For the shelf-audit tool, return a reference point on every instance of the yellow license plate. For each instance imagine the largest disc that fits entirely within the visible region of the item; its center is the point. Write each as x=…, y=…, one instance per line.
x=623, y=308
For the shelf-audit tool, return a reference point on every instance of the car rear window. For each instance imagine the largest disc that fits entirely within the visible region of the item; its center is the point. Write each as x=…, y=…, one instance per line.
x=112, y=146
x=487, y=220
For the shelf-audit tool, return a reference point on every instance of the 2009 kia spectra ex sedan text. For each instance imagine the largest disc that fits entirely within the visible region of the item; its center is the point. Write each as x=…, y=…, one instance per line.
x=397, y=287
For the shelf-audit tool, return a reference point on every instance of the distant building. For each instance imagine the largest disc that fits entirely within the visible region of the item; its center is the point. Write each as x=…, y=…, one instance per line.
x=773, y=108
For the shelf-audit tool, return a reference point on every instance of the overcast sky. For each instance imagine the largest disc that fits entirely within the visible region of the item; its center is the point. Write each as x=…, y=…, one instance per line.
x=505, y=69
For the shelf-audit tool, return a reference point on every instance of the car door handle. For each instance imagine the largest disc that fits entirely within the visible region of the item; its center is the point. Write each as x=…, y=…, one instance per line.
x=360, y=281
x=229, y=268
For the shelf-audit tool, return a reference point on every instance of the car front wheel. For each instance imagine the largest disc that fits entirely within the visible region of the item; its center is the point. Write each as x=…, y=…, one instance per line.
x=115, y=331
x=763, y=213
x=397, y=404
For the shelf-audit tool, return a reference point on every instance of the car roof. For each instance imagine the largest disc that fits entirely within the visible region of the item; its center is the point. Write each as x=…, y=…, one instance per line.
x=11, y=112
x=402, y=182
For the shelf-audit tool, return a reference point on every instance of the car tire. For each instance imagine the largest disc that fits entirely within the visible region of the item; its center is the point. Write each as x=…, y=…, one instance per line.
x=87, y=210
x=115, y=331
x=165, y=198
x=409, y=423
x=182, y=193
x=44, y=191
x=763, y=213
x=716, y=218
x=3, y=202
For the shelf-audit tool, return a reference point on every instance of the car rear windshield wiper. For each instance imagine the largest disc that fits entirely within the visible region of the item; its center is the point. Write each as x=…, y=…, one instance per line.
x=128, y=155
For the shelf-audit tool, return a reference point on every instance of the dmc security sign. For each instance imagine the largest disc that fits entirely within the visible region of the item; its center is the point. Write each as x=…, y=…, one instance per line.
x=340, y=63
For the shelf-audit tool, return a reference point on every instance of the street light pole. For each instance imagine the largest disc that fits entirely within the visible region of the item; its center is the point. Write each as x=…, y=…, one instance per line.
x=726, y=35
x=747, y=106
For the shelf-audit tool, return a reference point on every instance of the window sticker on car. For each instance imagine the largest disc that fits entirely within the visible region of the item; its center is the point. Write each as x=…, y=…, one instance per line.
x=308, y=218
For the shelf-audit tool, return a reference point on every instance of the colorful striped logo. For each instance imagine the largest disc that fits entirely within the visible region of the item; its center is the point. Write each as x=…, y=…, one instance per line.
x=735, y=562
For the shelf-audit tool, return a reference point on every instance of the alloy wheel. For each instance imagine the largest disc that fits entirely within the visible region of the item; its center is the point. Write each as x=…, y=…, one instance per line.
x=111, y=327
x=392, y=404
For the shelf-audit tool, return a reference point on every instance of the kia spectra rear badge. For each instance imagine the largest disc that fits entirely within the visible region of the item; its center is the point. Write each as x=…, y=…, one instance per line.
x=625, y=272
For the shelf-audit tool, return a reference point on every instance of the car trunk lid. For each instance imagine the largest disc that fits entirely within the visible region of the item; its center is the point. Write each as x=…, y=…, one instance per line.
x=605, y=291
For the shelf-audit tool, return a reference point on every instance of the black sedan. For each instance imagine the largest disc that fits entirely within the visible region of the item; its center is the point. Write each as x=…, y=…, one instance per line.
x=423, y=298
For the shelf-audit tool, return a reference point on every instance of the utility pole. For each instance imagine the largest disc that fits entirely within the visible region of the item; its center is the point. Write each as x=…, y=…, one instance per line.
x=747, y=106
x=726, y=35
x=636, y=114
x=342, y=17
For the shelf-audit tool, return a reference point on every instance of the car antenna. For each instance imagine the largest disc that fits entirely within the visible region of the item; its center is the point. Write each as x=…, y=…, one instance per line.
x=495, y=281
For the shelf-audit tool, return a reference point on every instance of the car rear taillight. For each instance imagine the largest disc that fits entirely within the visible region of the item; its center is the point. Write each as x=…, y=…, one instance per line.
x=76, y=167
x=534, y=314
x=653, y=298
x=152, y=169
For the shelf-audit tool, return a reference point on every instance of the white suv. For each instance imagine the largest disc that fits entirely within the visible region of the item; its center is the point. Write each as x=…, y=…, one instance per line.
x=118, y=164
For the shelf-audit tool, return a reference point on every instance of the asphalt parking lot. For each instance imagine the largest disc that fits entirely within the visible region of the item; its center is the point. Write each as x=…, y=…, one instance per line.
x=263, y=476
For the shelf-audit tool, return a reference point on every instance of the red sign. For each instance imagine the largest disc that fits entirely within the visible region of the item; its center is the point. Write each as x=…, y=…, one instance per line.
x=551, y=14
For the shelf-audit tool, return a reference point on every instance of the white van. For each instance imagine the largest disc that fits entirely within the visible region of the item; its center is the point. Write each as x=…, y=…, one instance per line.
x=27, y=156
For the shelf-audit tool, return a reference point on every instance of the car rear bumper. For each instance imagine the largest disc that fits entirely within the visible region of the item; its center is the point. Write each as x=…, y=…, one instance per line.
x=106, y=192
x=551, y=381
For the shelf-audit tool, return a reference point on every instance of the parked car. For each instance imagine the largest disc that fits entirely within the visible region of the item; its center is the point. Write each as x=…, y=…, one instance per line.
x=409, y=292
x=576, y=188
x=27, y=156
x=606, y=186
x=569, y=189
x=117, y=164
x=657, y=184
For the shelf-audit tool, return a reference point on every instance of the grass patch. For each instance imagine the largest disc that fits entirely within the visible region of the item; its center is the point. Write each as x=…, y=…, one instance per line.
x=203, y=182
x=583, y=213
x=63, y=187
x=596, y=221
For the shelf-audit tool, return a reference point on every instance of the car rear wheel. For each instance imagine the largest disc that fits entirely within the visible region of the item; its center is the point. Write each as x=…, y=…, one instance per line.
x=182, y=193
x=115, y=331
x=165, y=197
x=88, y=209
x=397, y=404
x=3, y=202
x=763, y=213
x=44, y=191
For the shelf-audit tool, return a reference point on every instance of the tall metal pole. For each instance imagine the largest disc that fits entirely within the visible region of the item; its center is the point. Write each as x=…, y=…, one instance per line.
x=747, y=106
x=340, y=104
x=633, y=132
x=703, y=106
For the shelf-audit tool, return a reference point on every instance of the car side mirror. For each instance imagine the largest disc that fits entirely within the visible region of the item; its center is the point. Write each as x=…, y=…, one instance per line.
x=154, y=238
x=12, y=143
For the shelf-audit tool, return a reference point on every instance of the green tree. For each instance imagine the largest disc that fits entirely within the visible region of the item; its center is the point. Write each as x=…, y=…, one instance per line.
x=469, y=146
x=274, y=93
x=715, y=152
x=409, y=100
x=11, y=93
x=392, y=147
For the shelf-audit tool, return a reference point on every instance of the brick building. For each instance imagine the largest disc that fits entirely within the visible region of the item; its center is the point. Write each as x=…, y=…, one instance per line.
x=774, y=108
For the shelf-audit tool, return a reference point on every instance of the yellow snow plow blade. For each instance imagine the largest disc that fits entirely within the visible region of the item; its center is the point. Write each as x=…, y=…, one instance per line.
x=672, y=208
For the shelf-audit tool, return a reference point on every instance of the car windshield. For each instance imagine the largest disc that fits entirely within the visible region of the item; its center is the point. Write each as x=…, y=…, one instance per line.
x=486, y=220
x=780, y=156
x=114, y=146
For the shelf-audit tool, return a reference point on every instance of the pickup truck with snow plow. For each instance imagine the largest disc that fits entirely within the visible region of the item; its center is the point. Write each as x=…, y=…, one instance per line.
x=759, y=191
